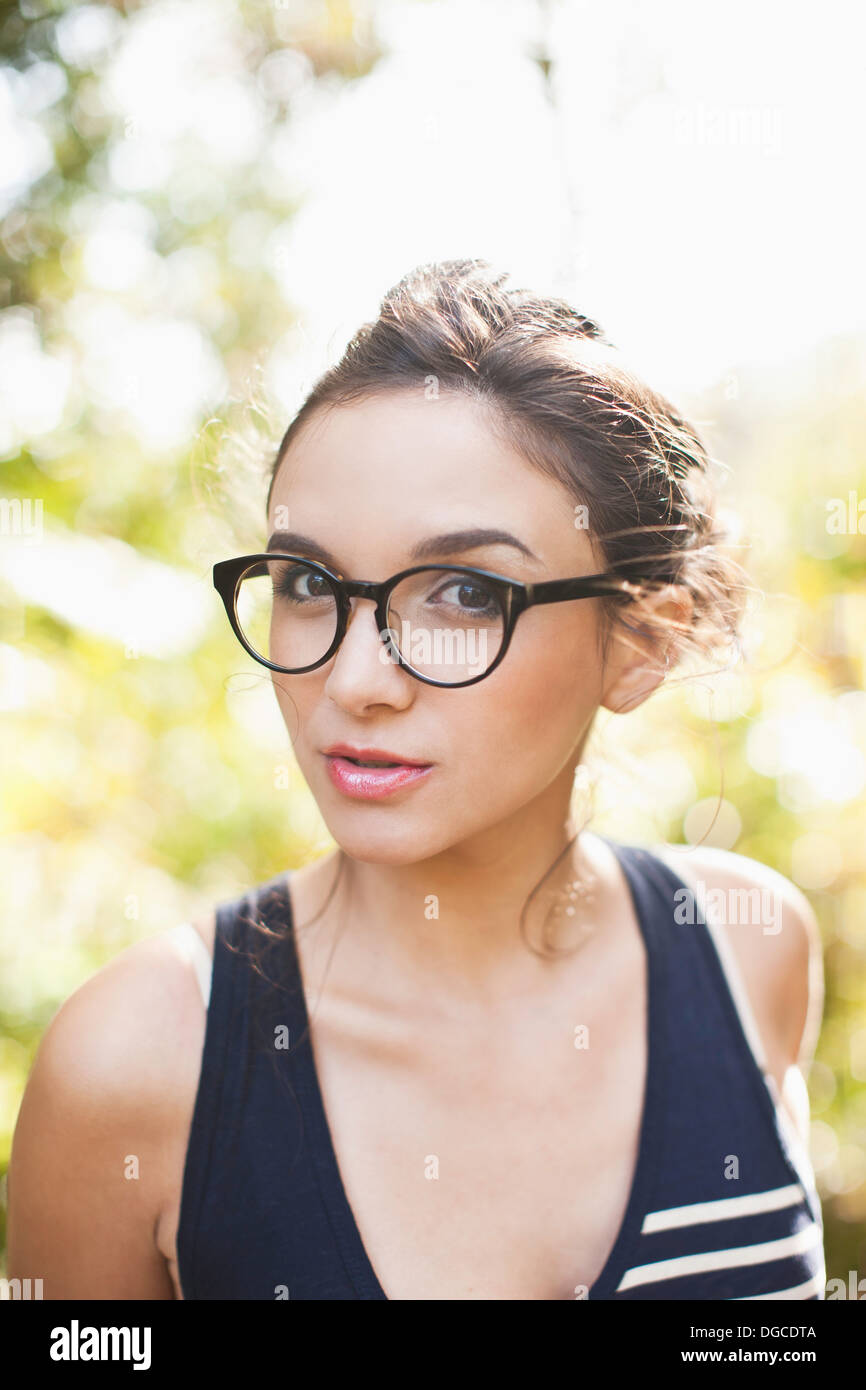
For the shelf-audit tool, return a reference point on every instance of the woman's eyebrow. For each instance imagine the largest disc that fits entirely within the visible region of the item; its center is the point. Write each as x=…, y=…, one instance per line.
x=454, y=541
x=449, y=543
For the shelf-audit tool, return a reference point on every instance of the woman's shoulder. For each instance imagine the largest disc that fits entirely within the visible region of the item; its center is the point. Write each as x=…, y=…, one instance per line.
x=125, y=1045
x=121, y=1032
x=106, y=1105
x=767, y=919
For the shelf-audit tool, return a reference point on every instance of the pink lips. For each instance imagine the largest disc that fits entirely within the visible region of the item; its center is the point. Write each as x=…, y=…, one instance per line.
x=372, y=783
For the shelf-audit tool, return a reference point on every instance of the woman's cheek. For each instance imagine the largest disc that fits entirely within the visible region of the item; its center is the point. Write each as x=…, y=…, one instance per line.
x=295, y=708
x=545, y=712
x=541, y=688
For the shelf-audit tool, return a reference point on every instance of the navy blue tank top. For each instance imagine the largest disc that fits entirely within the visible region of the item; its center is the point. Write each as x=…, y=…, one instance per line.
x=264, y=1214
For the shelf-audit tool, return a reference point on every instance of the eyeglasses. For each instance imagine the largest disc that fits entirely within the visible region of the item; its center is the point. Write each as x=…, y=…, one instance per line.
x=446, y=625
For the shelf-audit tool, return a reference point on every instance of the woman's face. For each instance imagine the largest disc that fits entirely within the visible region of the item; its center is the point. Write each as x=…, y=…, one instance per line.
x=367, y=483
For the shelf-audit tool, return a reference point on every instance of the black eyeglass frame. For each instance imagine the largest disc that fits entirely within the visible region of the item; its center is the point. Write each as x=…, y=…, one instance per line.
x=514, y=596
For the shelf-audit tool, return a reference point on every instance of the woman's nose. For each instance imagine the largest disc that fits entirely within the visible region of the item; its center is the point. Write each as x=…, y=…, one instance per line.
x=363, y=668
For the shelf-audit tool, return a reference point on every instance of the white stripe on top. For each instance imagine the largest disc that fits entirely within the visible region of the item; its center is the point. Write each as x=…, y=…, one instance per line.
x=763, y=1253
x=193, y=950
x=814, y=1285
x=724, y=1209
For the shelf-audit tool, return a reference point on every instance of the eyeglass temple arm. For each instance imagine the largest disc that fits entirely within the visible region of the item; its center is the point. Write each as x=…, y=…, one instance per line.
x=588, y=586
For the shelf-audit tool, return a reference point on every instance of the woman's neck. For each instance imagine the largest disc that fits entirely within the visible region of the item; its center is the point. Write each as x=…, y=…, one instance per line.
x=452, y=922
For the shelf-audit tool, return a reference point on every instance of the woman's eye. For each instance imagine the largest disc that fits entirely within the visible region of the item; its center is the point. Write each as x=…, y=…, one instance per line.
x=300, y=583
x=470, y=597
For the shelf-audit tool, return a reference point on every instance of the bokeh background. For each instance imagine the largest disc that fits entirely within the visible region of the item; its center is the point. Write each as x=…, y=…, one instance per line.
x=200, y=200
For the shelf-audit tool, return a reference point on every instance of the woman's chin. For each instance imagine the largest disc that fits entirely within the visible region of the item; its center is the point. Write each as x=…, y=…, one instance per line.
x=395, y=845
x=371, y=849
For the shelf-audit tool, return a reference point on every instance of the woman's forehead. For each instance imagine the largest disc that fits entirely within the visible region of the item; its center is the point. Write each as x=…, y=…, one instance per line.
x=419, y=467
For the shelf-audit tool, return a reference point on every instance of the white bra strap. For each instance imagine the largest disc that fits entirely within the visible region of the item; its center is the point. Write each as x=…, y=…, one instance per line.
x=798, y=1151
x=193, y=950
x=730, y=969
x=742, y=1003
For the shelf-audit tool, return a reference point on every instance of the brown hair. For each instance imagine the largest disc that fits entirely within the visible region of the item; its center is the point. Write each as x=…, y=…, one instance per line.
x=554, y=386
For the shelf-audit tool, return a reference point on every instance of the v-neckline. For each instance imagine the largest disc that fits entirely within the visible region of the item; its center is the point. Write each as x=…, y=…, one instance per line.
x=347, y=1235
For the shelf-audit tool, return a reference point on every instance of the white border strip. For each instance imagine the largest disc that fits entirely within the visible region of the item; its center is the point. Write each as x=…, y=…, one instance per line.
x=194, y=951
x=731, y=970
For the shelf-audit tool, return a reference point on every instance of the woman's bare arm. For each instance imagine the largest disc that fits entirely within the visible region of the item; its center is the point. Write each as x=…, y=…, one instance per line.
x=99, y=1143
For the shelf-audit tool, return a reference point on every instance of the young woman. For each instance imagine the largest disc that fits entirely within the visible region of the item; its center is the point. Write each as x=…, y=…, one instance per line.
x=478, y=1051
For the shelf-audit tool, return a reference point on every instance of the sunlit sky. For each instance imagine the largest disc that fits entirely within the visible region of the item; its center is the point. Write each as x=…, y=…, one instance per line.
x=694, y=186
x=708, y=155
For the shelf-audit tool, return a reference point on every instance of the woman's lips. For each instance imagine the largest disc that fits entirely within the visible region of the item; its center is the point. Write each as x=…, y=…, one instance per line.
x=371, y=783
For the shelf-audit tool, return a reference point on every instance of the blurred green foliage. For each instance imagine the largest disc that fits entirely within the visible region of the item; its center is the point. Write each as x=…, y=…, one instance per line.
x=146, y=778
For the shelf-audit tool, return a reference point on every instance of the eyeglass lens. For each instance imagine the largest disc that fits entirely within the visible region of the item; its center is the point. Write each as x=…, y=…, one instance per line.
x=448, y=625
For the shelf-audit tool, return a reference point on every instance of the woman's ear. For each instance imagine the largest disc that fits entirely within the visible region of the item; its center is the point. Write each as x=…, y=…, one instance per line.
x=637, y=664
